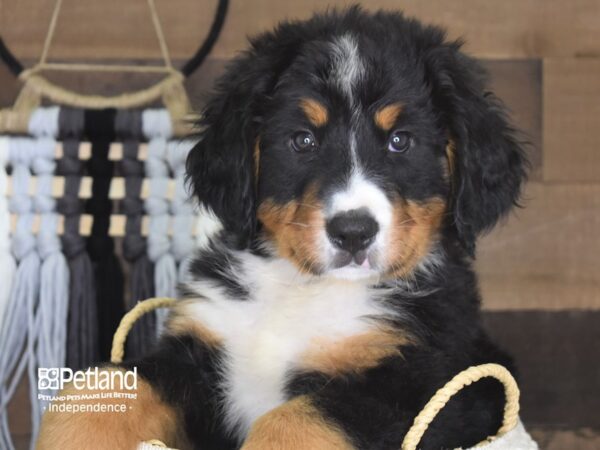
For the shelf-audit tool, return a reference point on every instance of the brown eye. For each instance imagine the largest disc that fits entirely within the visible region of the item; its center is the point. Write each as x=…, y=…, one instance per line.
x=400, y=141
x=304, y=141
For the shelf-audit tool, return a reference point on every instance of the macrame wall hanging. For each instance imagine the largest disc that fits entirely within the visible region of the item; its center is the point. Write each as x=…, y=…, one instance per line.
x=94, y=214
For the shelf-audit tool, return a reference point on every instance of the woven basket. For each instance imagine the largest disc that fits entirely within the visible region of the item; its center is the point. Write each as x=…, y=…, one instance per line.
x=510, y=436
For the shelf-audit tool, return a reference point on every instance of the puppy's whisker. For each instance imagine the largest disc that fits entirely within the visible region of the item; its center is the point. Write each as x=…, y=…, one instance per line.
x=309, y=205
x=408, y=246
x=302, y=224
x=411, y=219
x=417, y=226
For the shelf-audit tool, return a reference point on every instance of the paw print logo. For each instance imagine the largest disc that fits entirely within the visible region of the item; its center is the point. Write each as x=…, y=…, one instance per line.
x=48, y=378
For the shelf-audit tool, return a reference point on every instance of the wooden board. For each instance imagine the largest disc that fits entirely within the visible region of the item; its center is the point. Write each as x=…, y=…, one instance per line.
x=558, y=372
x=107, y=29
x=518, y=83
x=19, y=414
x=118, y=29
x=572, y=119
x=546, y=256
x=9, y=89
x=561, y=439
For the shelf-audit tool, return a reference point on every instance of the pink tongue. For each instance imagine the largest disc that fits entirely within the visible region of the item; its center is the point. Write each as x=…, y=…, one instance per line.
x=365, y=264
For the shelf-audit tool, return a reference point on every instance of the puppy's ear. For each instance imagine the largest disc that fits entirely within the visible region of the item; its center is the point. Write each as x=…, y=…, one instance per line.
x=489, y=163
x=220, y=168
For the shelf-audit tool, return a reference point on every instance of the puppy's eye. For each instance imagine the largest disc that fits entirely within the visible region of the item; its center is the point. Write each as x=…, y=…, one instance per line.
x=400, y=141
x=304, y=141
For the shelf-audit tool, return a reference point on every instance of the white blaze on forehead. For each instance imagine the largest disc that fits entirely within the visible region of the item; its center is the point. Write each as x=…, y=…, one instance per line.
x=347, y=71
x=347, y=67
x=354, y=152
x=362, y=193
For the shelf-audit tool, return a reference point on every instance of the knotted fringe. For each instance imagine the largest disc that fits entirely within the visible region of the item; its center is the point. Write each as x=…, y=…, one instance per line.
x=82, y=328
x=182, y=208
x=99, y=127
x=49, y=335
x=156, y=125
x=141, y=284
x=20, y=315
x=7, y=262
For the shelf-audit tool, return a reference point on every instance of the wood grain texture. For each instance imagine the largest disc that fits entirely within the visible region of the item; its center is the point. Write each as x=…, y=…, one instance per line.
x=117, y=29
x=546, y=255
x=572, y=119
x=9, y=87
x=561, y=439
x=108, y=29
x=518, y=83
x=557, y=371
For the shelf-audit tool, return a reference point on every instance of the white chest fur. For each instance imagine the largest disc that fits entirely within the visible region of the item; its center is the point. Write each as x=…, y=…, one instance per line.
x=265, y=336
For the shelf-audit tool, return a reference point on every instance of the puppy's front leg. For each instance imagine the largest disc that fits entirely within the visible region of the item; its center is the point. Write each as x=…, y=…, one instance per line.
x=295, y=425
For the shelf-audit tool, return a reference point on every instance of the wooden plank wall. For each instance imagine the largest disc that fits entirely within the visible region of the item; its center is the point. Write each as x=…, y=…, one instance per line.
x=544, y=60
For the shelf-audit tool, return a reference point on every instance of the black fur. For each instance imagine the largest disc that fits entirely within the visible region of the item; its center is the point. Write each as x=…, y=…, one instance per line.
x=444, y=95
x=219, y=266
x=376, y=408
x=446, y=99
x=185, y=373
x=491, y=163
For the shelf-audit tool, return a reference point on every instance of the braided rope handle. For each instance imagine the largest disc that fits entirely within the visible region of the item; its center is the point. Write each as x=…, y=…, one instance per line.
x=465, y=378
x=118, y=346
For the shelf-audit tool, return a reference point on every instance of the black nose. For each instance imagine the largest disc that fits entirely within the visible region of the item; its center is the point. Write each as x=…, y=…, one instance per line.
x=352, y=231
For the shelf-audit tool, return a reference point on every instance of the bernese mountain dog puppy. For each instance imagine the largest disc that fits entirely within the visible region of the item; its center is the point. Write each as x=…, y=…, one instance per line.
x=345, y=168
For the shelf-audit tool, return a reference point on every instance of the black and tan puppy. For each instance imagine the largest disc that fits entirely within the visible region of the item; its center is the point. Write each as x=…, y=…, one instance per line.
x=346, y=166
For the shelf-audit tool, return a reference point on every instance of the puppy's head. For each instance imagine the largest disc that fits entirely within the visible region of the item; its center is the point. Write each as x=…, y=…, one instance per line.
x=352, y=143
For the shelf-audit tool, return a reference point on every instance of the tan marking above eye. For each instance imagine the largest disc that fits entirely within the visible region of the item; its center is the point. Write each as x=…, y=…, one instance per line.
x=315, y=111
x=386, y=117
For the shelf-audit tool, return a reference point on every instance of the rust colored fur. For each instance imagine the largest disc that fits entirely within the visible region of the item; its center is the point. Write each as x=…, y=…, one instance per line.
x=293, y=227
x=353, y=354
x=145, y=418
x=415, y=226
x=295, y=425
x=386, y=117
x=315, y=111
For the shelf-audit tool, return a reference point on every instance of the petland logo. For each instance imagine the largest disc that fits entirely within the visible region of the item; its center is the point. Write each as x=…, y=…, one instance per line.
x=91, y=379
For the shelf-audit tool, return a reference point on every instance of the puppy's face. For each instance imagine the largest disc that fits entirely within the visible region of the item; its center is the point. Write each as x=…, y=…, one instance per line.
x=352, y=171
x=356, y=145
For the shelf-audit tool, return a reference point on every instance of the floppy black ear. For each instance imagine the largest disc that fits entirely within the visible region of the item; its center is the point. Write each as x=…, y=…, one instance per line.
x=489, y=163
x=220, y=168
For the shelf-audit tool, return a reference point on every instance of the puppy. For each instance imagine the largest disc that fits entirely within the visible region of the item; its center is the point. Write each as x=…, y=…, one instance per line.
x=346, y=166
